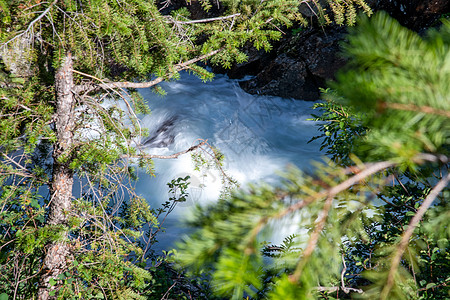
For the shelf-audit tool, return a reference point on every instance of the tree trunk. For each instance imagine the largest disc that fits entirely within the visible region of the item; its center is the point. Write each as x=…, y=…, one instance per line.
x=56, y=254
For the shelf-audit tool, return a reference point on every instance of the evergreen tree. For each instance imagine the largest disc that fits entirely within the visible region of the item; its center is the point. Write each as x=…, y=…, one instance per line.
x=373, y=222
x=68, y=108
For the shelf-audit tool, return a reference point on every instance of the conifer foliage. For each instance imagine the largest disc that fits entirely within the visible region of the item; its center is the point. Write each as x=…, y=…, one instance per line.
x=373, y=223
x=68, y=125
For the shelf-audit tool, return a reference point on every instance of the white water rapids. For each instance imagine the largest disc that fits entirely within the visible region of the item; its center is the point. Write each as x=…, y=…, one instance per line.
x=257, y=134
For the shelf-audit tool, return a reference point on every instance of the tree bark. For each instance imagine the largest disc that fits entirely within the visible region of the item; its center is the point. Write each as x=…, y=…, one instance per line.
x=56, y=254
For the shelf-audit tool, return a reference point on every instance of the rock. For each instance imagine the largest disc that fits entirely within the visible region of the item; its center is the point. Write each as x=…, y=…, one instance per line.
x=284, y=77
x=416, y=15
x=257, y=60
x=302, y=64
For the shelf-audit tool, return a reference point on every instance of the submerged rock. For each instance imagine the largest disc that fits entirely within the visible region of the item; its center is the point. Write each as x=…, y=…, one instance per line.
x=164, y=135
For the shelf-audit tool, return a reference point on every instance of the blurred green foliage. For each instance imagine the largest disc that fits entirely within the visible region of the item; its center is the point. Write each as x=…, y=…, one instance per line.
x=386, y=130
x=108, y=230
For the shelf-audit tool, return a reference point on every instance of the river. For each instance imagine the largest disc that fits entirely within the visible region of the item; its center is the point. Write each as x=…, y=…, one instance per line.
x=257, y=134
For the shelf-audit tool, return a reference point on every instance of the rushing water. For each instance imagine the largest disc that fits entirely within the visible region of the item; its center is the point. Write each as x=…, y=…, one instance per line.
x=258, y=135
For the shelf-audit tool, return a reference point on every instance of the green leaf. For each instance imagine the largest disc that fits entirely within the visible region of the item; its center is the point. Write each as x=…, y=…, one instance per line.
x=430, y=285
x=52, y=282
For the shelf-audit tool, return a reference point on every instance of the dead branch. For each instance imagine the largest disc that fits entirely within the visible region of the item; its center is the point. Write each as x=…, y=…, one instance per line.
x=24, y=172
x=440, y=158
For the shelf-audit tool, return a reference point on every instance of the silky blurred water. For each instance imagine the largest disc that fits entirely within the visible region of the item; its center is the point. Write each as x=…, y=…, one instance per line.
x=258, y=135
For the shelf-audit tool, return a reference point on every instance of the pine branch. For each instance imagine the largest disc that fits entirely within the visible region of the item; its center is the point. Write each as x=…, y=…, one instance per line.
x=371, y=169
x=86, y=88
x=312, y=242
x=330, y=194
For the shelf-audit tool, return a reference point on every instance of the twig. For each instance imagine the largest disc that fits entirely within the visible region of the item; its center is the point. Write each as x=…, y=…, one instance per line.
x=206, y=20
x=415, y=108
x=31, y=24
x=327, y=289
x=278, y=28
x=166, y=294
x=312, y=242
x=408, y=233
x=130, y=109
x=310, y=8
x=401, y=184
x=175, y=155
x=343, y=287
x=344, y=269
x=25, y=174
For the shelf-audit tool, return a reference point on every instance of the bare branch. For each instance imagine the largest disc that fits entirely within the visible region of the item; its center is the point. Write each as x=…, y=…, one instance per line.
x=431, y=158
x=31, y=24
x=327, y=289
x=415, y=108
x=24, y=172
x=175, y=155
x=343, y=287
x=127, y=103
x=408, y=233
